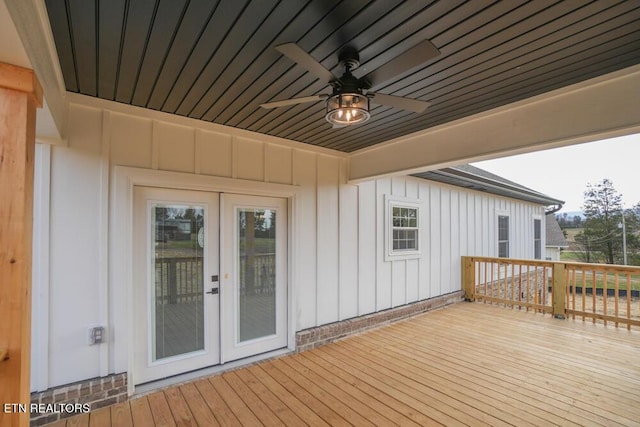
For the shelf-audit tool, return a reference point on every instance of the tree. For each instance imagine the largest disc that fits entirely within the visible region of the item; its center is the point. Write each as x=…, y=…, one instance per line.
x=577, y=221
x=601, y=238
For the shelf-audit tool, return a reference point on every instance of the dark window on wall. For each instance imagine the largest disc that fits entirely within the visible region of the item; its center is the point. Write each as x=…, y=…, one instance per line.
x=503, y=236
x=537, y=238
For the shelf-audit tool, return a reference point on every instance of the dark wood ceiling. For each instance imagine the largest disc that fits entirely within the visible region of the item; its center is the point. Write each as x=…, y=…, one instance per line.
x=215, y=60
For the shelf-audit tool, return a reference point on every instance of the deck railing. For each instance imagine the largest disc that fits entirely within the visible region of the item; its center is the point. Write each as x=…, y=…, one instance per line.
x=600, y=292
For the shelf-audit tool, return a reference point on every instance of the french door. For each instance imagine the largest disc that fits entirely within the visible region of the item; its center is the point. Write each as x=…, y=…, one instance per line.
x=254, y=275
x=194, y=304
x=176, y=311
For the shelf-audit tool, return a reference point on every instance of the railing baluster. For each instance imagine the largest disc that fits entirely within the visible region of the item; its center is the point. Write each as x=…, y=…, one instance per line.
x=594, y=291
x=573, y=288
x=629, y=291
x=486, y=278
x=491, y=283
x=513, y=285
x=528, y=287
x=504, y=289
x=519, y=286
x=605, y=294
x=616, y=294
x=544, y=288
x=584, y=293
x=477, y=268
x=536, y=293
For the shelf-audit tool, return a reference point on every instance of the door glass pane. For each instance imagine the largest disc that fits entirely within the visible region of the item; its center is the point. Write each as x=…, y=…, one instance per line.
x=256, y=260
x=177, y=263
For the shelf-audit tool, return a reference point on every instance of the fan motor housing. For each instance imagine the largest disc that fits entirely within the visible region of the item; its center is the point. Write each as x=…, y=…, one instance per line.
x=349, y=58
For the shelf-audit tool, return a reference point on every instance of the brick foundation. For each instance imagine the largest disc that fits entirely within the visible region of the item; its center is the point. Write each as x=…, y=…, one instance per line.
x=315, y=337
x=97, y=392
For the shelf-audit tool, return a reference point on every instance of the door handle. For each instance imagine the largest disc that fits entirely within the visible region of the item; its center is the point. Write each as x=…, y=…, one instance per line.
x=213, y=291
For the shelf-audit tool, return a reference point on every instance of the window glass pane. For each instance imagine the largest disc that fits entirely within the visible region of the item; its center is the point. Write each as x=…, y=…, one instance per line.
x=257, y=267
x=412, y=239
x=537, y=238
x=503, y=249
x=503, y=228
x=503, y=236
x=177, y=261
x=405, y=239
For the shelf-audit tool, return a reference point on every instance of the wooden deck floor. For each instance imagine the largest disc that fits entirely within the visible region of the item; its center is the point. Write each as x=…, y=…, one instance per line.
x=468, y=364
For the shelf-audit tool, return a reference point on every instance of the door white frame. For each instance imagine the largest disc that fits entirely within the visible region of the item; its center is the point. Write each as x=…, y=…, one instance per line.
x=121, y=358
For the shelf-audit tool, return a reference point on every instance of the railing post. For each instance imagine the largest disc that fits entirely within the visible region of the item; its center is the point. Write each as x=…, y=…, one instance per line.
x=468, y=278
x=559, y=287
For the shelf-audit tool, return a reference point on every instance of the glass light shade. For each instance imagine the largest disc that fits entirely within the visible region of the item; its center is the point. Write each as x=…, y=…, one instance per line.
x=347, y=109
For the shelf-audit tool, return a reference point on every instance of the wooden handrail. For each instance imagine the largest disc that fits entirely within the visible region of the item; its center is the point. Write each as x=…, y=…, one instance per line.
x=607, y=267
x=556, y=287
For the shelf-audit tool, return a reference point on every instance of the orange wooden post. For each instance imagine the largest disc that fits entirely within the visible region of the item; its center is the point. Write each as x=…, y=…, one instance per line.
x=559, y=291
x=468, y=278
x=20, y=95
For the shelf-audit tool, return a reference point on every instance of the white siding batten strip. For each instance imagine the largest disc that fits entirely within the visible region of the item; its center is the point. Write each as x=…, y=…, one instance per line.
x=41, y=271
x=103, y=244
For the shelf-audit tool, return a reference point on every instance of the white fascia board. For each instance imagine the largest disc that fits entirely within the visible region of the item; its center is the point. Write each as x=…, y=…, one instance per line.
x=599, y=108
x=135, y=111
x=31, y=23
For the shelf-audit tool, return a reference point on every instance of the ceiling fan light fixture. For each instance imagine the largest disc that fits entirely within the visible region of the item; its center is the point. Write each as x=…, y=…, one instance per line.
x=347, y=109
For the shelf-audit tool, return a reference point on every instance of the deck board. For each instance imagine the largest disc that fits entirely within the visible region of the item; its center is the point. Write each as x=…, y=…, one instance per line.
x=121, y=415
x=279, y=408
x=216, y=403
x=467, y=364
x=199, y=408
x=141, y=412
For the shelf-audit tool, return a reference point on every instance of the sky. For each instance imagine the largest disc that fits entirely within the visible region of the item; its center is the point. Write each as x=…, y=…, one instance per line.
x=563, y=173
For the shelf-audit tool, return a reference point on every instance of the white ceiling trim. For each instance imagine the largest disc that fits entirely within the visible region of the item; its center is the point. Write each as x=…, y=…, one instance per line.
x=32, y=25
x=134, y=111
x=600, y=108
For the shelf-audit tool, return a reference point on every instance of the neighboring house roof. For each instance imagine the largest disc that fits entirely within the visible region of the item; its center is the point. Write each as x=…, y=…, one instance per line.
x=553, y=233
x=474, y=178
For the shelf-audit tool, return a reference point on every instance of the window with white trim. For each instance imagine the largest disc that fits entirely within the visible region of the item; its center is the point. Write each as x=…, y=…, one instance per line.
x=402, y=229
x=503, y=236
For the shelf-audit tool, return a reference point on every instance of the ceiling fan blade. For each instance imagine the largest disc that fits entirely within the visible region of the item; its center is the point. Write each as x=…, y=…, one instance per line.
x=302, y=58
x=293, y=101
x=408, y=104
x=419, y=54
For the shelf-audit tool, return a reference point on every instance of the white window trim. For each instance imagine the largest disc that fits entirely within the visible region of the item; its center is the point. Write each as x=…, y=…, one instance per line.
x=500, y=213
x=396, y=201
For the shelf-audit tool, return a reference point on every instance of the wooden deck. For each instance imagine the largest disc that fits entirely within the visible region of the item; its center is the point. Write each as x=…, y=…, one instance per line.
x=468, y=364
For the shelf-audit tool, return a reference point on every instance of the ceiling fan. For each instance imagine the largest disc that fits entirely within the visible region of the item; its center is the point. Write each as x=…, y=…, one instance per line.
x=349, y=101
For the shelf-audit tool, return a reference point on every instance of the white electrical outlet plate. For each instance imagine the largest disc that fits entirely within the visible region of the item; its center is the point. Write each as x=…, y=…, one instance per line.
x=97, y=335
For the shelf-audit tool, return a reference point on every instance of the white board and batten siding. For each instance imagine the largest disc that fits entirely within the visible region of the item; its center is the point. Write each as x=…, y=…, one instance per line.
x=339, y=228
